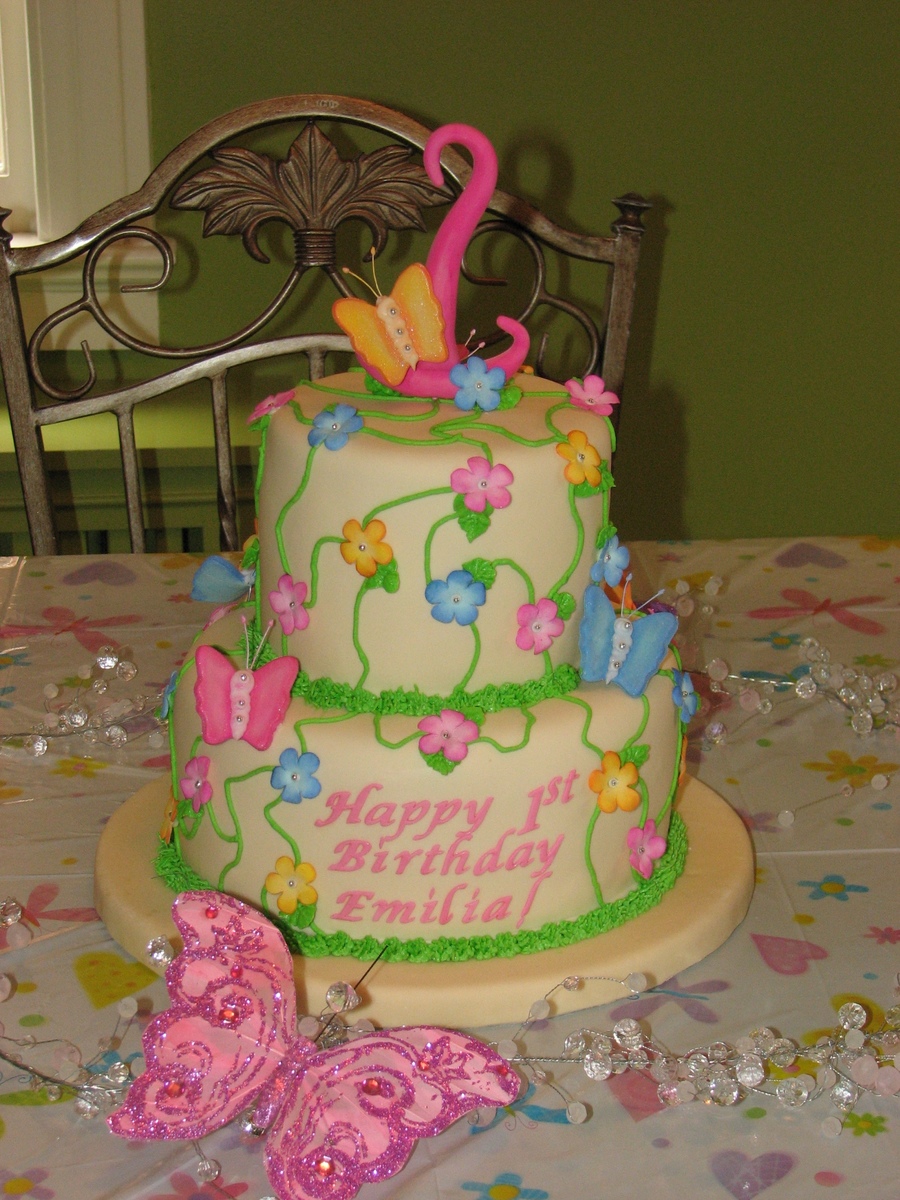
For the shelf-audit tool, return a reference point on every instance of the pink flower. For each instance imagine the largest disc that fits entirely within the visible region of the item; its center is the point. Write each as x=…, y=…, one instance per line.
x=645, y=846
x=482, y=484
x=447, y=733
x=287, y=602
x=194, y=785
x=538, y=625
x=883, y=937
x=271, y=404
x=592, y=395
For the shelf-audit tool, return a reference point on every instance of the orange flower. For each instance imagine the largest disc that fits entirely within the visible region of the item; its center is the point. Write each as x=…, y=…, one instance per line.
x=169, y=818
x=364, y=548
x=583, y=459
x=613, y=781
x=290, y=882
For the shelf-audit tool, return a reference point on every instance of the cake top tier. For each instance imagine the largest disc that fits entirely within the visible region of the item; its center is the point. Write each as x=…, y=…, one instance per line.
x=408, y=544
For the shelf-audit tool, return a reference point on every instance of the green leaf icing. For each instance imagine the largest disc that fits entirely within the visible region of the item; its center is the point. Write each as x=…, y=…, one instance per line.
x=509, y=396
x=251, y=555
x=565, y=604
x=387, y=576
x=481, y=570
x=473, y=524
x=438, y=763
x=637, y=754
x=376, y=388
x=604, y=533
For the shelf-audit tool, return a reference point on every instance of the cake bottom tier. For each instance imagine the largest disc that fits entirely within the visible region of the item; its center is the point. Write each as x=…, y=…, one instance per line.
x=551, y=828
x=696, y=916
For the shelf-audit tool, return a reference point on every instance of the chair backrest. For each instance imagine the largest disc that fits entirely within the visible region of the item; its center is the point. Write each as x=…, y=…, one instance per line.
x=313, y=191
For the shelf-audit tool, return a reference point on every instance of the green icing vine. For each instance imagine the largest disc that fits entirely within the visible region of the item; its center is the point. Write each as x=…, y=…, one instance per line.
x=180, y=877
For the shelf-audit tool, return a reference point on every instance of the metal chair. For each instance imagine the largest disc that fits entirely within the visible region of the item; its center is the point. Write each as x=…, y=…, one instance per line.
x=313, y=191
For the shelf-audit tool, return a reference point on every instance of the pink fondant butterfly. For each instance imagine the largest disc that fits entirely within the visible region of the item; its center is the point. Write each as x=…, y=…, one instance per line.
x=242, y=703
x=337, y=1118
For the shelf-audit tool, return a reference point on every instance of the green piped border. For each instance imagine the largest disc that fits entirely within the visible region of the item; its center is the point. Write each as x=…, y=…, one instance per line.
x=180, y=877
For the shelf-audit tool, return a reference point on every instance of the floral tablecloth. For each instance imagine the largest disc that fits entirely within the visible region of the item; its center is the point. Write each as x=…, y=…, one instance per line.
x=820, y=799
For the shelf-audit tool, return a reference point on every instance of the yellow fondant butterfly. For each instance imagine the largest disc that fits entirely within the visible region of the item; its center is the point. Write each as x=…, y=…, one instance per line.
x=399, y=330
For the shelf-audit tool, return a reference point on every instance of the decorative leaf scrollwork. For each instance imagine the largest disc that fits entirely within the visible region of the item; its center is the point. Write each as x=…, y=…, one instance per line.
x=312, y=189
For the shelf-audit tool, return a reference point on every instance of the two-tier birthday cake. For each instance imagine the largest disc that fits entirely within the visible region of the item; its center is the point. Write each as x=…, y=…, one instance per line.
x=440, y=729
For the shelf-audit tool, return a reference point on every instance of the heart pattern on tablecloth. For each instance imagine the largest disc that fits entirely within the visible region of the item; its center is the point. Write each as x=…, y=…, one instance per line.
x=108, y=977
x=745, y=1177
x=805, y=554
x=636, y=1093
x=113, y=573
x=787, y=956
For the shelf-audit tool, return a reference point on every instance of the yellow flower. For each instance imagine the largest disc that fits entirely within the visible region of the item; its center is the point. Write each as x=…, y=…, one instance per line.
x=8, y=793
x=87, y=768
x=613, y=782
x=858, y=772
x=169, y=818
x=290, y=882
x=878, y=545
x=583, y=459
x=364, y=547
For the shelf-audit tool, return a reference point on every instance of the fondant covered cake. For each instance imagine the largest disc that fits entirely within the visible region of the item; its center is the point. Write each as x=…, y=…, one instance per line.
x=440, y=729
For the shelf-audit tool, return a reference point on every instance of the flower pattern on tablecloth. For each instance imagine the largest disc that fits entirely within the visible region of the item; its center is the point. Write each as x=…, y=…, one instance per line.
x=506, y=1186
x=860, y=1123
x=834, y=886
x=857, y=772
x=26, y=1184
x=884, y=937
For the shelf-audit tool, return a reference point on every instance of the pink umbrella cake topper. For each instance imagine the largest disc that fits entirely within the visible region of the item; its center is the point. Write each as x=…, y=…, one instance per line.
x=407, y=339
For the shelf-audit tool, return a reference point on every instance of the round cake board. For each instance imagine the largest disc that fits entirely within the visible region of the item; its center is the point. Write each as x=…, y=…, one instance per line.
x=709, y=900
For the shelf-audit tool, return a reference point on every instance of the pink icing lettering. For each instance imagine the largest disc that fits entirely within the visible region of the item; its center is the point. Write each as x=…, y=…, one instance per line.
x=537, y=799
x=378, y=861
x=490, y=860
x=455, y=857
x=567, y=788
x=428, y=917
x=404, y=858
x=444, y=811
x=428, y=861
x=411, y=812
x=547, y=854
x=381, y=814
x=476, y=815
x=339, y=803
x=352, y=903
x=521, y=856
x=497, y=910
x=471, y=905
x=446, y=908
x=393, y=910
x=353, y=855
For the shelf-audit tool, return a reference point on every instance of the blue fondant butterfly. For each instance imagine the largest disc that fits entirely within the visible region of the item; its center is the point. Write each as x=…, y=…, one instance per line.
x=220, y=581
x=627, y=649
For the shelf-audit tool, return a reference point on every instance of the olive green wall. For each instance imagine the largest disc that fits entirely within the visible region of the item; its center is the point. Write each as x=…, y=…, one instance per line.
x=761, y=396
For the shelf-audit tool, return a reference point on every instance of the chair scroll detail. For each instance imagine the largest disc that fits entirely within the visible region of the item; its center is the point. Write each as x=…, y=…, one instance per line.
x=313, y=191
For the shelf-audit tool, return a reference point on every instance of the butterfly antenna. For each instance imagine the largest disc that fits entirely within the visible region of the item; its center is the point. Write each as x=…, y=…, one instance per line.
x=475, y=349
x=246, y=641
x=628, y=579
x=378, y=291
x=364, y=282
x=262, y=642
x=650, y=600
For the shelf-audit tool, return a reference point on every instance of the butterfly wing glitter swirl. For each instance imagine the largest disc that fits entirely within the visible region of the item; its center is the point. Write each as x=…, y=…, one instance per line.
x=337, y=1118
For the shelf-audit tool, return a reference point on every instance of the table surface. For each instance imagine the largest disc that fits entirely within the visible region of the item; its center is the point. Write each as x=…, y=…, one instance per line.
x=823, y=926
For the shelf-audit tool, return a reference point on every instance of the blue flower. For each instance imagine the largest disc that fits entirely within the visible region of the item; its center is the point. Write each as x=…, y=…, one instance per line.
x=508, y=1186
x=455, y=598
x=479, y=385
x=333, y=427
x=835, y=886
x=295, y=777
x=6, y=692
x=611, y=562
x=684, y=696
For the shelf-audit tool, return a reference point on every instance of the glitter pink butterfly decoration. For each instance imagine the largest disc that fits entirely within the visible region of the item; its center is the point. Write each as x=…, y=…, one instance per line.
x=336, y=1118
x=244, y=704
